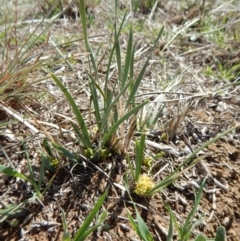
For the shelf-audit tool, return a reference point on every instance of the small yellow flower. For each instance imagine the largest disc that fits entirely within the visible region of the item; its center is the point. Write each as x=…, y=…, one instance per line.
x=55, y=163
x=147, y=161
x=143, y=185
x=88, y=152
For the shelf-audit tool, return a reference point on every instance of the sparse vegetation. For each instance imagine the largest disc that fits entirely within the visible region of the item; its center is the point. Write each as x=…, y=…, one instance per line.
x=115, y=126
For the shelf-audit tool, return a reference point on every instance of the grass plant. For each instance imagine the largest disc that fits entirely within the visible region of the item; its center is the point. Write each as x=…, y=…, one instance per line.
x=16, y=90
x=36, y=182
x=111, y=110
x=145, y=186
x=16, y=66
x=85, y=230
x=11, y=212
x=185, y=231
x=138, y=225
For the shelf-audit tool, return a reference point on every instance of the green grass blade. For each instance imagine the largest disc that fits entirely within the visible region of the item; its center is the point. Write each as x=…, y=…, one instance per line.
x=81, y=231
x=128, y=58
x=136, y=227
x=118, y=56
x=133, y=224
x=41, y=174
x=32, y=176
x=95, y=101
x=131, y=74
x=81, y=137
x=109, y=99
x=97, y=87
x=11, y=172
x=154, y=117
x=170, y=229
x=108, y=68
x=143, y=229
x=130, y=166
x=116, y=125
x=131, y=71
x=139, y=156
x=158, y=37
x=88, y=232
x=76, y=111
x=47, y=164
x=66, y=234
x=107, y=104
x=116, y=48
x=196, y=223
x=120, y=28
x=186, y=229
x=29, y=165
x=138, y=161
x=12, y=211
x=84, y=29
x=102, y=217
x=168, y=180
x=61, y=54
x=206, y=144
x=99, y=222
x=164, y=183
x=65, y=152
x=141, y=74
x=140, y=227
x=115, y=116
x=47, y=148
x=137, y=83
x=111, y=106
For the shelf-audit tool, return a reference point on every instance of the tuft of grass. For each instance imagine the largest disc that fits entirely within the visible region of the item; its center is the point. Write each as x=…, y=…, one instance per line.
x=113, y=107
x=139, y=225
x=144, y=186
x=18, y=59
x=85, y=230
x=36, y=182
x=184, y=231
x=16, y=65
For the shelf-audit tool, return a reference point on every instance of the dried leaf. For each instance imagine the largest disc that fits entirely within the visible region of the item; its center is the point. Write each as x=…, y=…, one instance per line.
x=176, y=122
x=163, y=147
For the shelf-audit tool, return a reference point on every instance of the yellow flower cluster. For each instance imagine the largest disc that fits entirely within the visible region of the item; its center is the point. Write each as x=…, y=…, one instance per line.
x=147, y=161
x=143, y=185
x=88, y=152
x=55, y=163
